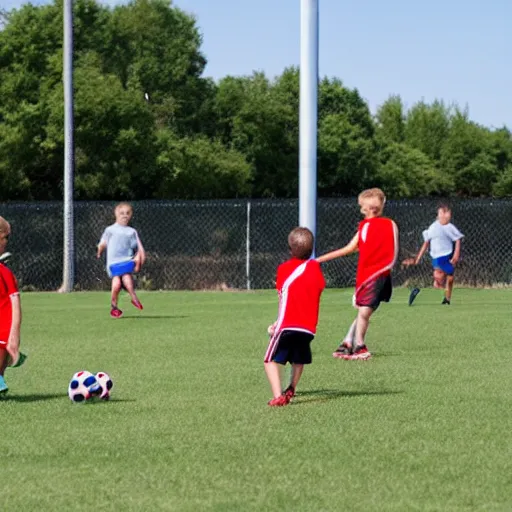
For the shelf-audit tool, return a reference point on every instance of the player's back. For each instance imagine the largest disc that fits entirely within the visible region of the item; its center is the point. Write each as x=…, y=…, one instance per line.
x=300, y=284
x=378, y=248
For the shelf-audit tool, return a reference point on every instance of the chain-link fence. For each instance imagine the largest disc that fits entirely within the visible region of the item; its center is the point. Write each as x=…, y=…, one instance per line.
x=239, y=243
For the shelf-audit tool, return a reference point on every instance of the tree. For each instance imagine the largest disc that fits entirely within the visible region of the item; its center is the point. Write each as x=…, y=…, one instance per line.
x=407, y=172
x=390, y=120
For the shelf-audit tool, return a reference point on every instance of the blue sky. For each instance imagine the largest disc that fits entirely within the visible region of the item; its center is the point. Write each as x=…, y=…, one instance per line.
x=455, y=50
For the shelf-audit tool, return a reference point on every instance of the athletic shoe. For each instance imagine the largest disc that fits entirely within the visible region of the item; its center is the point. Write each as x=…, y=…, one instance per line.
x=289, y=392
x=137, y=304
x=342, y=350
x=413, y=295
x=115, y=312
x=445, y=301
x=279, y=401
x=3, y=386
x=21, y=359
x=360, y=353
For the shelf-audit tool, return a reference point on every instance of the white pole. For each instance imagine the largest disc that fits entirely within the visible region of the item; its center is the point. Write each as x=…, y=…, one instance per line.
x=308, y=113
x=248, y=247
x=68, y=273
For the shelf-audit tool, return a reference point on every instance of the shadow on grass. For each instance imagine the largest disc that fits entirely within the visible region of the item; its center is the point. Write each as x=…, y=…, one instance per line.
x=153, y=317
x=32, y=398
x=322, y=395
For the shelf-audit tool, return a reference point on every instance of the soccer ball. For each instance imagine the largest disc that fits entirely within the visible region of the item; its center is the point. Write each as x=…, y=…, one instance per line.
x=106, y=384
x=83, y=385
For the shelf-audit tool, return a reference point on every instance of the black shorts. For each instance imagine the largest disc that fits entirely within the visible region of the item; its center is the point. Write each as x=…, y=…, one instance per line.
x=293, y=347
x=372, y=293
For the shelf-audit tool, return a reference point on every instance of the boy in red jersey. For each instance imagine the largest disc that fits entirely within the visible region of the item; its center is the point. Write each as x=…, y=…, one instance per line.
x=10, y=313
x=377, y=242
x=299, y=283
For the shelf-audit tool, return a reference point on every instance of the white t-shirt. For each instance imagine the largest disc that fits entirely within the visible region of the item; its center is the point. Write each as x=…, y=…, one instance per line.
x=441, y=238
x=121, y=243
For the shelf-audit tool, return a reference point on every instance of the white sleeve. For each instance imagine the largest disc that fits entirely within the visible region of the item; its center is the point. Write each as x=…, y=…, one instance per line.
x=105, y=237
x=454, y=233
x=426, y=235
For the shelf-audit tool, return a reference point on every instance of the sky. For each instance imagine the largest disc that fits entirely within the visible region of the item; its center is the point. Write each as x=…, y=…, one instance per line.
x=458, y=51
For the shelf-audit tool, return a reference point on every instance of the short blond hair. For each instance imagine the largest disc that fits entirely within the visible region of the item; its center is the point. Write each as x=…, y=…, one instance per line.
x=300, y=241
x=372, y=200
x=5, y=227
x=124, y=203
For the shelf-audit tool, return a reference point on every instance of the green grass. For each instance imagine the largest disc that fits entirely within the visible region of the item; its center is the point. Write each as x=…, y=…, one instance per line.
x=425, y=425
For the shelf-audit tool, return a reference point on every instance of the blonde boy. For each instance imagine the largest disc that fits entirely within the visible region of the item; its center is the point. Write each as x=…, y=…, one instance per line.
x=377, y=242
x=123, y=245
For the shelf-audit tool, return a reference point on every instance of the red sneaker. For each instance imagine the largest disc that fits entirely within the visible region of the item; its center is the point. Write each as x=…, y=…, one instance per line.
x=137, y=304
x=289, y=392
x=360, y=353
x=115, y=312
x=343, y=350
x=279, y=401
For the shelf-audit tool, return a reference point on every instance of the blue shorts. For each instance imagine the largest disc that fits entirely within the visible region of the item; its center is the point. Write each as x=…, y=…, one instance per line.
x=443, y=264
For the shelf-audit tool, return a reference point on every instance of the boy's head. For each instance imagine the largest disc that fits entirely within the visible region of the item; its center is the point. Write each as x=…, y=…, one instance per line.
x=5, y=231
x=372, y=202
x=123, y=213
x=444, y=213
x=300, y=241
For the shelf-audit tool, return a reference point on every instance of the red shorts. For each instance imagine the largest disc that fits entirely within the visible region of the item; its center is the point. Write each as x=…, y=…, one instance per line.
x=4, y=335
x=373, y=292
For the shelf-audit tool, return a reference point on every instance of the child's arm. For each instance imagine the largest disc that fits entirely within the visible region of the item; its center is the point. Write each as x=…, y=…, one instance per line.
x=456, y=253
x=101, y=247
x=140, y=257
x=349, y=248
x=13, y=343
x=415, y=261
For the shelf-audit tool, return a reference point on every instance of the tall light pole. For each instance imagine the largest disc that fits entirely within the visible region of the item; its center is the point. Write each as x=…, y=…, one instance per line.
x=68, y=274
x=308, y=113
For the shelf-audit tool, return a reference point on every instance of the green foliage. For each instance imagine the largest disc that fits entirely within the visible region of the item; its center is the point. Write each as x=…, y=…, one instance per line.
x=407, y=172
x=149, y=124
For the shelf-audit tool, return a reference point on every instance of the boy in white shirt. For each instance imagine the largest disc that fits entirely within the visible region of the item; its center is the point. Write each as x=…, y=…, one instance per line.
x=444, y=240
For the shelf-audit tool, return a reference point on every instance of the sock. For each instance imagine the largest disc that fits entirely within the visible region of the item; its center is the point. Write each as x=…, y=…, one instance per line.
x=2, y=382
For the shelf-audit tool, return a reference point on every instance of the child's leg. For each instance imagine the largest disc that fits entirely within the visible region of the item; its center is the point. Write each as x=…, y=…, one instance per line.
x=116, y=289
x=362, y=322
x=128, y=284
x=4, y=357
x=348, y=341
x=297, y=370
x=449, y=288
x=439, y=278
x=273, y=371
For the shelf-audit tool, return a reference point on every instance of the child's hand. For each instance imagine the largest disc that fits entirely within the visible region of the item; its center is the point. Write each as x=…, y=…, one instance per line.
x=272, y=329
x=13, y=350
x=138, y=262
x=408, y=262
x=454, y=260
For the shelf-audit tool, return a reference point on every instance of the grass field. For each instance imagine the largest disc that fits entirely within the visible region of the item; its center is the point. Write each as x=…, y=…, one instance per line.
x=426, y=425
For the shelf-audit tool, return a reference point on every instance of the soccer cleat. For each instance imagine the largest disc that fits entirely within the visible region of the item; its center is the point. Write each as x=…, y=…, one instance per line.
x=21, y=359
x=445, y=301
x=115, y=312
x=137, y=304
x=279, y=401
x=413, y=295
x=360, y=353
x=3, y=386
x=343, y=350
x=289, y=392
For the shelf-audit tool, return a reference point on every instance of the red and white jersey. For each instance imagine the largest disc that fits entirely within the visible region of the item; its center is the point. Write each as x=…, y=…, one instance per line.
x=299, y=284
x=8, y=289
x=378, y=248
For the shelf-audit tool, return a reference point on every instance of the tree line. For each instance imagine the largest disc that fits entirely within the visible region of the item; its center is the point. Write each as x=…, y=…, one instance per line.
x=148, y=124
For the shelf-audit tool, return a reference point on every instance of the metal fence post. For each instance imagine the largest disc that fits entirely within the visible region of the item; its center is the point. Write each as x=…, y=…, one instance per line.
x=248, y=247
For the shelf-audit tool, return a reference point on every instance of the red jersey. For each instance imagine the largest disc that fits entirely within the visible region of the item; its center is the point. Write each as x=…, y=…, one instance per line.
x=8, y=289
x=378, y=248
x=299, y=284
